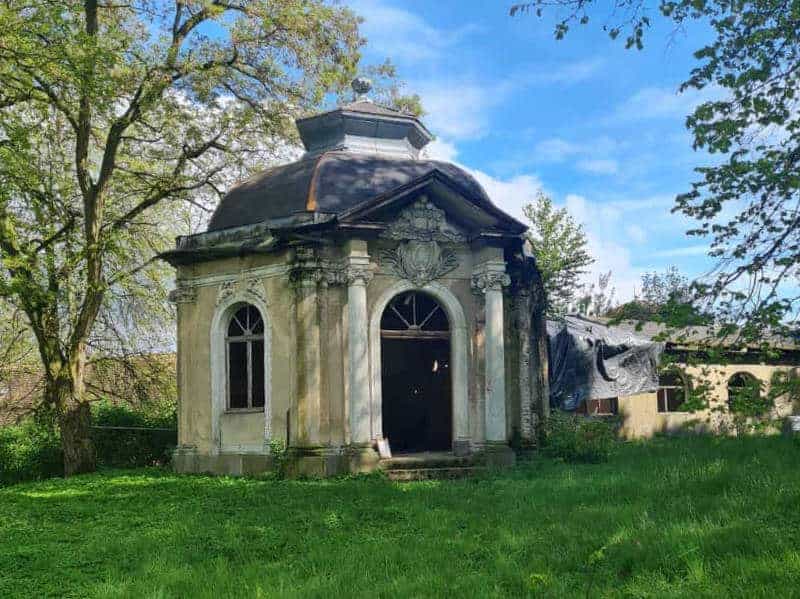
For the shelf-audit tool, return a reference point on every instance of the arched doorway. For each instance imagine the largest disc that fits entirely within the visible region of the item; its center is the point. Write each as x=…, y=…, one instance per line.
x=416, y=374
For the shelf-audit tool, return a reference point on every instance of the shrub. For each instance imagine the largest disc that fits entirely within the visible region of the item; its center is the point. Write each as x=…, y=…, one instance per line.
x=146, y=437
x=157, y=415
x=30, y=450
x=579, y=438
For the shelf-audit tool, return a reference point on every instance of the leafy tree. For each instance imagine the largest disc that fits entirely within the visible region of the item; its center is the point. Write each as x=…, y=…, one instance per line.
x=665, y=297
x=596, y=299
x=18, y=363
x=659, y=288
x=753, y=65
x=111, y=114
x=560, y=247
x=387, y=89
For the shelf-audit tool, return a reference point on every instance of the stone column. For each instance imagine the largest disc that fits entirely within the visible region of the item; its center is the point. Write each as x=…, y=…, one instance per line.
x=358, y=275
x=490, y=278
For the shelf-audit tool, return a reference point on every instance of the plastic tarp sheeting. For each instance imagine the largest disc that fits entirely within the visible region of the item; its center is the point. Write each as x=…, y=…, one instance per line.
x=591, y=360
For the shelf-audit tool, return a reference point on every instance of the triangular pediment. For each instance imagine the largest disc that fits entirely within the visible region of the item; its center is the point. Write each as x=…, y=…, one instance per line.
x=433, y=208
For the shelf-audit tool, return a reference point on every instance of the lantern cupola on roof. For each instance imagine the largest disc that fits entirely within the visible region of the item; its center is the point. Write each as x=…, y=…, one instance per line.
x=364, y=127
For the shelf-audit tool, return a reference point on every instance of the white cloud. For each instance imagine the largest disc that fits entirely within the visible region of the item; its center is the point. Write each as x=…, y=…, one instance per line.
x=636, y=233
x=510, y=195
x=458, y=109
x=692, y=250
x=601, y=223
x=590, y=156
x=661, y=102
x=598, y=166
x=403, y=36
x=608, y=242
x=555, y=149
x=440, y=149
x=577, y=71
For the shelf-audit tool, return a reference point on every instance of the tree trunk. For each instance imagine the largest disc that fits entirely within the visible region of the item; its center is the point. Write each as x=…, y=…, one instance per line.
x=76, y=440
x=63, y=392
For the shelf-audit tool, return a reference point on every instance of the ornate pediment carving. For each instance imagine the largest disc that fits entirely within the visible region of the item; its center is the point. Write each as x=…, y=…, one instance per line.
x=423, y=221
x=420, y=261
x=250, y=288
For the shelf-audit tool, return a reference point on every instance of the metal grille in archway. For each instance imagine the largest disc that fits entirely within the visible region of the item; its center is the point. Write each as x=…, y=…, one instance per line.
x=414, y=315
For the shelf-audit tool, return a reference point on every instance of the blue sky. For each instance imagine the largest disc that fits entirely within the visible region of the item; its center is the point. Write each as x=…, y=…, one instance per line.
x=599, y=128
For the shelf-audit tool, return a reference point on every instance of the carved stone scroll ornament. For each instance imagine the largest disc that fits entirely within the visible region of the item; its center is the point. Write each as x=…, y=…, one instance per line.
x=358, y=275
x=252, y=287
x=422, y=221
x=490, y=281
x=226, y=289
x=420, y=261
x=255, y=288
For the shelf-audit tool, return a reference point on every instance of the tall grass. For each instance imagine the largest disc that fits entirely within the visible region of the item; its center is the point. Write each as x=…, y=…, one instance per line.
x=688, y=517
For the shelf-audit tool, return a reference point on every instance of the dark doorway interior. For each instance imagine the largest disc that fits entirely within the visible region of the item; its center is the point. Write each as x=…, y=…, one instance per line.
x=415, y=364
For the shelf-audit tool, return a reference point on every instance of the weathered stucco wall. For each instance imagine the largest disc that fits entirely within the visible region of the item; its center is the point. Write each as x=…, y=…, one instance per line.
x=307, y=348
x=304, y=295
x=641, y=418
x=242, y=430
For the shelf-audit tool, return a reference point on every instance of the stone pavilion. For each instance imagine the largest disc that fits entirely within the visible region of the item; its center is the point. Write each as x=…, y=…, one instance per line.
x=360, y=294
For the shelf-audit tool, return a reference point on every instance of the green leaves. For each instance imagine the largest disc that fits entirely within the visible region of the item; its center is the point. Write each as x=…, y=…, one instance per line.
x=121, y=123
x=747, y=202
x=560, y=247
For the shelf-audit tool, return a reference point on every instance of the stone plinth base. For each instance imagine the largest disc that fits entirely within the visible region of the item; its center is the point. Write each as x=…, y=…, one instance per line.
x=318, y=462
x=189, y=461
x=497, y=455
x=299, y=462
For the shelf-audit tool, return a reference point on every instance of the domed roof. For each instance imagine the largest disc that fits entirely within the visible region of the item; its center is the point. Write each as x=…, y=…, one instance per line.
x=356, y=153
x=332, y=182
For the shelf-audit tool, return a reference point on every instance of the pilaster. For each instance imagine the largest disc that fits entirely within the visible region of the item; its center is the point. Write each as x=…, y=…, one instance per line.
x=522, y=305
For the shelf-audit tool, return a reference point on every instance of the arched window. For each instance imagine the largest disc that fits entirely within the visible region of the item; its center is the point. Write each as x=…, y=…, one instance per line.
x=744, y=393
x=244, y=344
x=672, y=391
x=413, y=314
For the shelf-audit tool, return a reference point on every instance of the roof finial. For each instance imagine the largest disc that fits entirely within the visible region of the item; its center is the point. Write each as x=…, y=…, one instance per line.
x=361, y=87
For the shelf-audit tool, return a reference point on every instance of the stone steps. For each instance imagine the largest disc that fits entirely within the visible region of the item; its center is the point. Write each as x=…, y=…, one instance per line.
x=430, y=466
x=412, y=474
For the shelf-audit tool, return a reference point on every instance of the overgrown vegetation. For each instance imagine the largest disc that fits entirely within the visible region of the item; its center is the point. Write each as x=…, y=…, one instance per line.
x=123, y=437
x=576, y=438
x=29, y=451
x=665, y=298
x=688, y=517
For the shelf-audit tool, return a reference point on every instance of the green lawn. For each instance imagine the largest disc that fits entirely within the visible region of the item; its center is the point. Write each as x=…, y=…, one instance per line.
x=681, y=517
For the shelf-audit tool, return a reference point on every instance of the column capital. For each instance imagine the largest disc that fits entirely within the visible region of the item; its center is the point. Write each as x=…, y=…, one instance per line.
x=490, y=276
x=358, y=270
x=306, y=270
x=358, y=275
